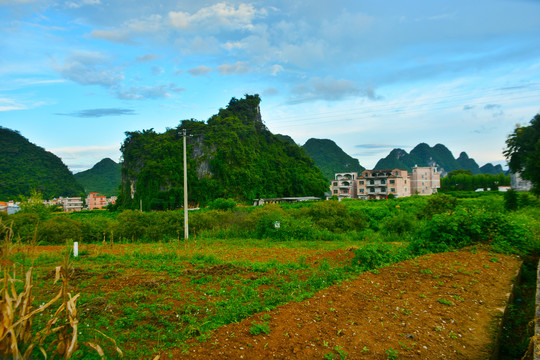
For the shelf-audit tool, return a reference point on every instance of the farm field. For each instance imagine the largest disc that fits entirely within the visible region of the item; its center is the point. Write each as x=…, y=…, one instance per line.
x=259, y=299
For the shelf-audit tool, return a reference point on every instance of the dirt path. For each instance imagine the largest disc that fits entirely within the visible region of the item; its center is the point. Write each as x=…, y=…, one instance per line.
x=440, y=306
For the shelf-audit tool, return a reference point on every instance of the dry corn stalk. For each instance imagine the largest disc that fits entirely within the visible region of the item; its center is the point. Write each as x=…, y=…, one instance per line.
x=16, y=339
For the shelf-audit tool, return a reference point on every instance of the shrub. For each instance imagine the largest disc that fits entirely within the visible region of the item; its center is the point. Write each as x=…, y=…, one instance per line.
x=439, y=204
x=400, y=224
x=130, y=224
x=374, y=255
x=511, y=200
x=467, y=226
x=59, y=230
x=334, y=216
x=222, y=204
x=24, y=225
x=276, y=226
x=93, y=228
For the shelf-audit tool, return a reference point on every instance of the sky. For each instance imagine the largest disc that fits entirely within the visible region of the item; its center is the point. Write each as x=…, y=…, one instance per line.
x=369, y=75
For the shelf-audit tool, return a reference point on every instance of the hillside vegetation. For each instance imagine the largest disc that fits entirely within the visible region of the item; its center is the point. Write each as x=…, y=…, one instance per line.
x=232, y=155
x=330, y=158
x=104, y=178
x=26, y=167
x=438, y=155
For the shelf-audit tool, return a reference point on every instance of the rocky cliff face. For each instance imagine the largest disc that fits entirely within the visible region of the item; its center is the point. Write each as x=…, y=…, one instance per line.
x=232, y=155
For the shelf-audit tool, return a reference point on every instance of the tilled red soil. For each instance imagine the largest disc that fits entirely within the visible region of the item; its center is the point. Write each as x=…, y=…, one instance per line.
x=439, y=306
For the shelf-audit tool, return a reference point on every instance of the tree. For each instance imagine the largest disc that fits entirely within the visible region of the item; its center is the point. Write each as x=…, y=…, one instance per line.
x=523, y=152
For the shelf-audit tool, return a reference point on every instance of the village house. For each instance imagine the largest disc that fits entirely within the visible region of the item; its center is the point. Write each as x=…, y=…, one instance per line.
x=424, y=180
x=344, y=185
x=379, y=184
x=95, y=201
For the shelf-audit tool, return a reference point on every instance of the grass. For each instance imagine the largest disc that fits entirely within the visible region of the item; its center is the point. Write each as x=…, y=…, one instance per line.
x=165, y=296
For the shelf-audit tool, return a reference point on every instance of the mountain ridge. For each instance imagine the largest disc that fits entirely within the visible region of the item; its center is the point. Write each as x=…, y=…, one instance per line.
x=26, y=167
x=104, y=178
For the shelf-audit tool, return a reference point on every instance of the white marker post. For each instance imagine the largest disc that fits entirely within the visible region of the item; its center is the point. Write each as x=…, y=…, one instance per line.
x=75, y=249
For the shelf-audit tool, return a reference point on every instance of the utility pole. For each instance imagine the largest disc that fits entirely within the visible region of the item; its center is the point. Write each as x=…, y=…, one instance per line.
x=186, y=228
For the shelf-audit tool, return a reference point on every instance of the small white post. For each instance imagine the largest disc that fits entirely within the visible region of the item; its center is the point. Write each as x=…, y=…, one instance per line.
x=75, y=249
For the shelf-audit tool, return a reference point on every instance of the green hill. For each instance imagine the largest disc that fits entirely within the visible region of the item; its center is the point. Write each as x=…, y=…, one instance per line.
x=104, y=178
x=438, y=155
x=467, y=163
x=26, y=167
x=330, y=158
x=232, y=155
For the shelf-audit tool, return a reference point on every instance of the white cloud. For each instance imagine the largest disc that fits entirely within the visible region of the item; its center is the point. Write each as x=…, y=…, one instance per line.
x=330, y=89
x=78, y=4
x=237, y=68
x=115, y=36
x=215, y=17
x=200, y=70
x=147, y=92
x=275, y=69
x=10, y=105
x=151, y=24
x=90, y=68
x=147, y=58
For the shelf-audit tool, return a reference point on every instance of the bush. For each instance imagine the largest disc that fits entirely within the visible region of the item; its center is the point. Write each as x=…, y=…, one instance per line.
x=511, y=200
x=24, y=225
x=375, y=255
x=467, y=226
x=59, y=230
x=400, y=224
x=439, y=204
x=276, y=226
x=94, y=228
x=335, y=217
x=222, y=204
x=130, y=224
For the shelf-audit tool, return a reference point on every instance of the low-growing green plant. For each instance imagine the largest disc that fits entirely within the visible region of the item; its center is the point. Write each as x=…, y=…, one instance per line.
x=391, y=354
x=259, y=328
x=445, y=302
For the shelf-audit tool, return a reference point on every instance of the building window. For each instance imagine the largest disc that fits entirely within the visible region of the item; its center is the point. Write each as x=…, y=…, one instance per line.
x=361, y=182
x=383, y=181
x=372, y=182
x=335, y=183
x=335, y=191
x=392, y=190
x=392, y=181
x=361, y=191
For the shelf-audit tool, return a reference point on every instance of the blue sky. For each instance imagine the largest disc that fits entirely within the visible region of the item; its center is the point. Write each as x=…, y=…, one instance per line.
x=370, y=75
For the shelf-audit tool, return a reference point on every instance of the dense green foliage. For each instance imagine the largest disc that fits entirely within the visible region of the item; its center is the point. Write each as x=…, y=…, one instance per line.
x=438, y=155
x=523, y=152
x=464, y=181
x=434, y=223
x=330, y=158
x=26, y=167
x=232, y=155
x=104, y=178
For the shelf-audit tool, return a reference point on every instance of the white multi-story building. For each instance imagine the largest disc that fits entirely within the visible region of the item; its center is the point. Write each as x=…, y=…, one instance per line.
x=379, y=184
x=344, y=185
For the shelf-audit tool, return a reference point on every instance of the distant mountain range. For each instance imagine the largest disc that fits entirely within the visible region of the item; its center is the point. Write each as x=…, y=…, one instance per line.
x=331, y=159
x=438, y=155
x=104, y=178
x=25, y=167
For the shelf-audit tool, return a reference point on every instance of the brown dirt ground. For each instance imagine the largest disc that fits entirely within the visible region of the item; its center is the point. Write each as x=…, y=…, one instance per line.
x=439, y=306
